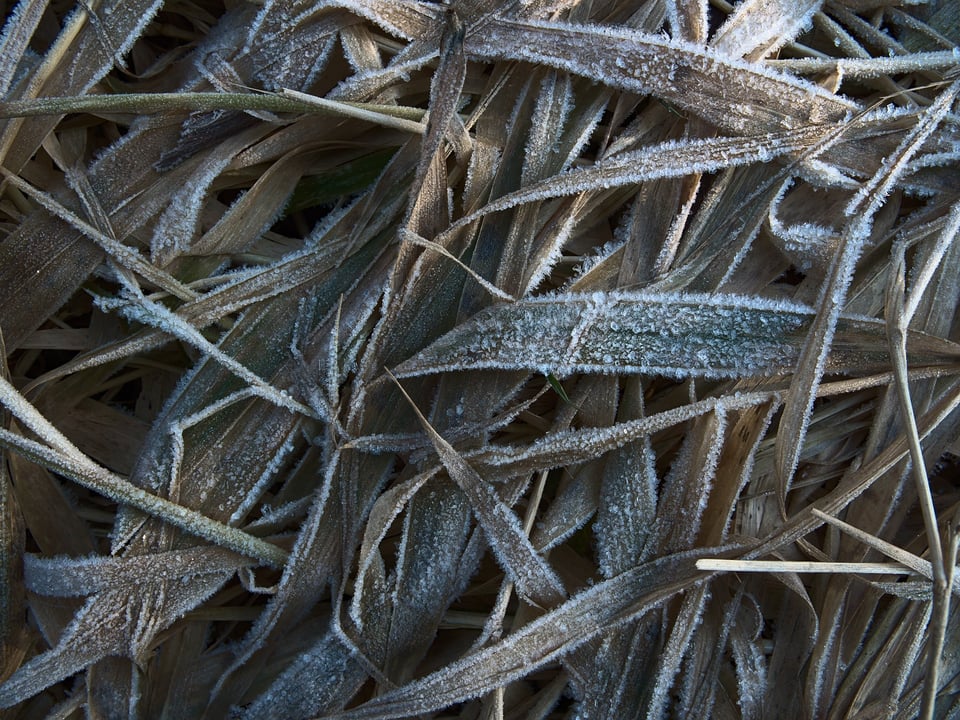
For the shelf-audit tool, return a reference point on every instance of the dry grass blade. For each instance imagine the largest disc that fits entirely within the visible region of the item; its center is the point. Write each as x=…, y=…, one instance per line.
x=61, y=455
x=676, y=335
x=13, y=594
x=787, y=566
x=693, y=79
x=760, y=27
x=580, y=618
x=535, y=580
x=897, y=320
x=21, y=25
x=672, y=293
x=861, y=211
x=285, y=101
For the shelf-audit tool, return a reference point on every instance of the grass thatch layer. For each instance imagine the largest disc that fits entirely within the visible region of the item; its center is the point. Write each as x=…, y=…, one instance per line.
x=531, y=359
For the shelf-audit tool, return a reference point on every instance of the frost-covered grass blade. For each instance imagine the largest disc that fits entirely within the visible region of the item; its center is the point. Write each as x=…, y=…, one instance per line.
x=394, y=358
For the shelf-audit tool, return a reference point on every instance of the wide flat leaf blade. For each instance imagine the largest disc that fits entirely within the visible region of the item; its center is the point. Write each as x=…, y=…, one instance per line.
x=695, y=79
x=678, y=335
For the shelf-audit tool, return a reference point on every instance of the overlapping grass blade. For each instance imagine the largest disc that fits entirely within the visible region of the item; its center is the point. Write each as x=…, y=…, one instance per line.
x=629, y=262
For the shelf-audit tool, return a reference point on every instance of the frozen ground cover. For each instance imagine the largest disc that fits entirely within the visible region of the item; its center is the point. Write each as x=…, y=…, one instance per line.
x=531, y=359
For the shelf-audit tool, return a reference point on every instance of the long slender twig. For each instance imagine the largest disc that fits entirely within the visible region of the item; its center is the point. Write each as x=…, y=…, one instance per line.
x=897, y=332
x=287, y=101
x=898, y=554
x=803, y=566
